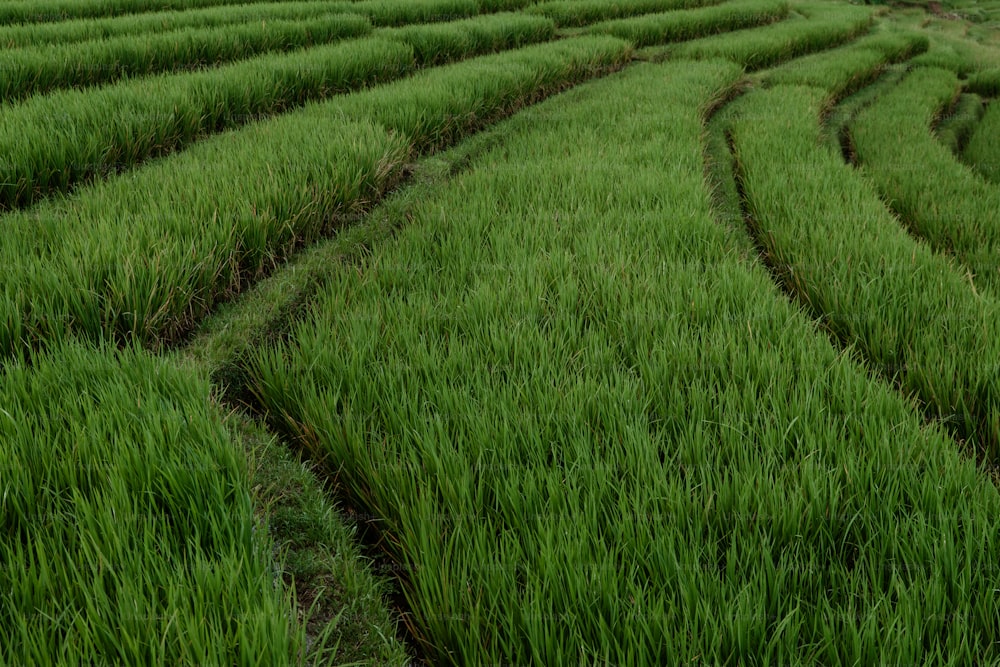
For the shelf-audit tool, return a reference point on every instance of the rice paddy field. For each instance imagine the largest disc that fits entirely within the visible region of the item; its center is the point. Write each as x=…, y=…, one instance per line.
x=499, y=332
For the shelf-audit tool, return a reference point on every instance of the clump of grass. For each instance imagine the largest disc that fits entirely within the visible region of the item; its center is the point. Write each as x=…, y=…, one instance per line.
x=593, y=431
x=575, y=13
x=762, y=47
x=29, y=71
x=681, y=25
x=982, y=150
x=954, y=128
x=44, y=11
x=81, y=30
x=127, y=533
x=985, y=83
x=396, y=13
x=962, y=56
x=439, y=43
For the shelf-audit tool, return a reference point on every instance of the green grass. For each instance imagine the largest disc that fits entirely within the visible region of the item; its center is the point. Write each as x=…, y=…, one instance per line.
x=594, y=431
x=847, y=68
x=575, y=411
x=322, y=559
x=962, y=56
x=396, y=13
x=765, y=47
x=340, y=596
x=61, y=140
x=904, y=308
x=575, y=13
x=148, y=254
x=833, y=129
x=43, y=11
x=680, y=25
x=30, y=71
x=81, y=30
x=938, y=197
x=128, y=533
x=982, y=151
x=954, y=128
x=985, y=83
x=434, y=44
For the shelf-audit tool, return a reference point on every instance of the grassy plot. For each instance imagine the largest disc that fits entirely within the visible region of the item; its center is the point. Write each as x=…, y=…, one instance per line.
x=593, y=433
x=681, y=25
x=81, y=30
x=954, y=128
x=59, y=140
x=833, y=244
x=940, y=198
x=982, y=152
x=985, y=83
x=69, y=137
x=127, y=533
x=835, y=120
x=29, y=71
x=322, y=547
x=42, y=11
x=763, y=47
x=574, y=13
x=439, y=43
x=395, y=13
x=849, y=67
x=147, y=254
x=961, y=56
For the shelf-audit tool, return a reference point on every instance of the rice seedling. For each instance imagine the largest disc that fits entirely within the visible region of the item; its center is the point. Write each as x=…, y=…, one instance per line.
x=905, y=309
x=127, y=533
x=594, y=432
x=147, y=254
x=442, y=42
x=833, y=128
x=81, y=30
x=954, y=128
x=29, y=71
x=847, y=68
x=938, y=197
x=395, y=13
x=44, y=11
x=763, y=47
x=575, y=13
x=985, y=83
x=688, y=24
x=961, y=56
x=381, y=12
x=982, y=150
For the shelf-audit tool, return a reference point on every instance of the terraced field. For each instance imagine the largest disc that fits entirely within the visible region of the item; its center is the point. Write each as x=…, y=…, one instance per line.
x=481, y=332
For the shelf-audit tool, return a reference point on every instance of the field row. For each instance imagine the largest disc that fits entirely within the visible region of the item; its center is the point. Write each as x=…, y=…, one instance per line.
x=384, y=12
